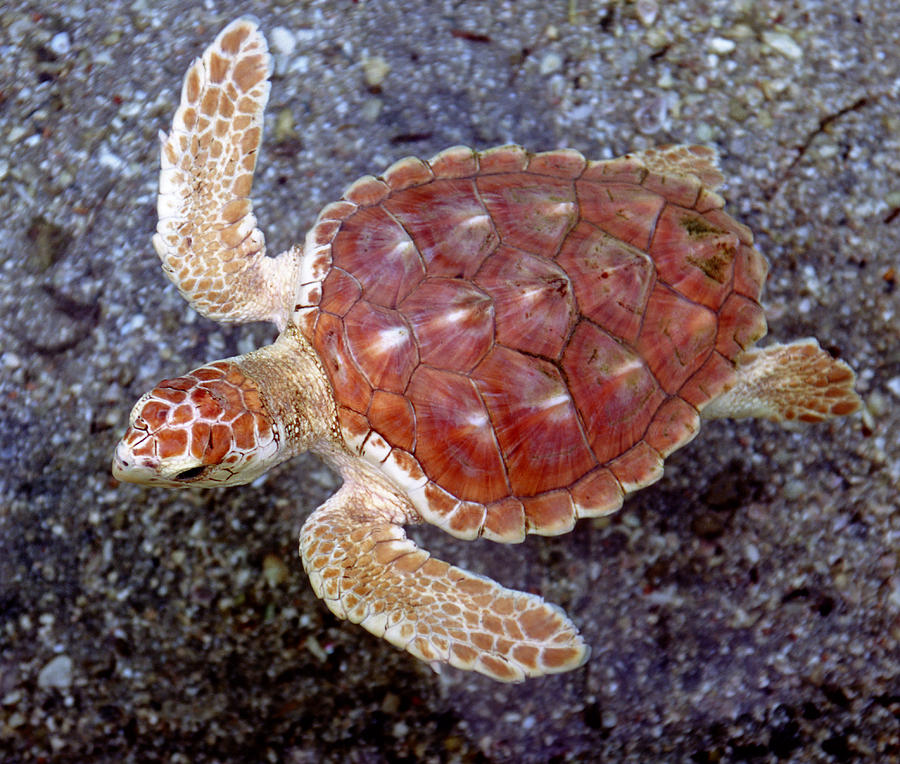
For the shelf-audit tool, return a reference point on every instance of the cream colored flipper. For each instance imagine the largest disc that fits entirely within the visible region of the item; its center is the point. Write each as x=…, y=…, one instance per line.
x=361, y=563
x=207, y=237
x=681, y=159
x=797, y=381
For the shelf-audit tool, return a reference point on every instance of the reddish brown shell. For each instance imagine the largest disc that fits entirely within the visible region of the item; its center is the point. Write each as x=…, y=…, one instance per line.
x=521, y=339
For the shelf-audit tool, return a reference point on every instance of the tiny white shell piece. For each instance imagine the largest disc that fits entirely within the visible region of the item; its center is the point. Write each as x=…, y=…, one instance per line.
x=397, y=467
x=376, y=449
x=420, y=501
x=355, y=442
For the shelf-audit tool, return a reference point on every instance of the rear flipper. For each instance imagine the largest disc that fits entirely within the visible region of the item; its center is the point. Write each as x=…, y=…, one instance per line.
x=794, y=382
x=367, y=571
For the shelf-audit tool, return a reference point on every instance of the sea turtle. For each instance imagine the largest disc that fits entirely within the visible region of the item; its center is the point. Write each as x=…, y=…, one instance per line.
x=495, y=342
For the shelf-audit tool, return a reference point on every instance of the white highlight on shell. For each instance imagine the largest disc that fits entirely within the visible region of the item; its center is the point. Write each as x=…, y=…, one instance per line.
x=389, y=339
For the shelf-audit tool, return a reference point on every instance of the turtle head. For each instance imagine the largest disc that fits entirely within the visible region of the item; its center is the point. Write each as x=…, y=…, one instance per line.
x=210, y=427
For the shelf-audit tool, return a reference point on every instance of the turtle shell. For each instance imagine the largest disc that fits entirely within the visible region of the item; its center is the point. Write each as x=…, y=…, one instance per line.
x=519, y=339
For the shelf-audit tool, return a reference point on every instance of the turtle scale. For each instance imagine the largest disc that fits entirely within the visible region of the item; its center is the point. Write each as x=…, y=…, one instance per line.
x=516, y=323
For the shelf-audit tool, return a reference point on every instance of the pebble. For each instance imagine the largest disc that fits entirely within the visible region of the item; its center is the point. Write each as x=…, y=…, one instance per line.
x=721, y=45
x=60, y=44
x=282, y=41
x=784, y=44
x=57, y=673
x=274, y=570
x=552, y=62
x=894, y=386
x=646, y=11
x=375, y=69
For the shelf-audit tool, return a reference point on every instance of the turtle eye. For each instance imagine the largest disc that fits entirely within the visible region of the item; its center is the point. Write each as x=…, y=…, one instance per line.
x=190, y=474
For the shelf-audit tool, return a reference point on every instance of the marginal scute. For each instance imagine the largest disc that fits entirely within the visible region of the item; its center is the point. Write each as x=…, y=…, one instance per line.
x=502, y=159
x=741, y=323
x=454, y=162
x=407, y=172
x=561, y=163
x=677, y=189
x=366, y=191
x=550, y=514
x=713, y=378
x=638, y=467
x=505, y=521
x=597, y=493
x=676, y=423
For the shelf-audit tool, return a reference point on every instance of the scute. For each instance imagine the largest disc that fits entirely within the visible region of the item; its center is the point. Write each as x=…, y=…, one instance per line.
x=533, y=334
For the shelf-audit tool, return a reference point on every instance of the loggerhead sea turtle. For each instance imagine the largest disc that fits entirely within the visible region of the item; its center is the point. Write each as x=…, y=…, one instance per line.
x=495, y=342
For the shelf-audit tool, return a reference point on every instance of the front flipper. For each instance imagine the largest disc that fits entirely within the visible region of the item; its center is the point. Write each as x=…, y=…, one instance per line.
x=367, y=571
x=207, y=236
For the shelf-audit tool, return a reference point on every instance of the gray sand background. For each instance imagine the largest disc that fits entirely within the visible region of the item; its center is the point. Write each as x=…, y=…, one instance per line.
x=745, y=608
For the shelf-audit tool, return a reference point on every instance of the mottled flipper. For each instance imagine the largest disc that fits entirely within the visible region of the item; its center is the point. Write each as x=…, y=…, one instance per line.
x=207, y=237
x=794, y=382
x=681, y=159
x=367, y=571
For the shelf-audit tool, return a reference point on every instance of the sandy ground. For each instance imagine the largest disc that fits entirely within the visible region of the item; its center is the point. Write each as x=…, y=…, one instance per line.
x=745, y=608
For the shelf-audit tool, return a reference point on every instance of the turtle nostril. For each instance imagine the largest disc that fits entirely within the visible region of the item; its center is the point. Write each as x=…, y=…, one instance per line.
x=190, y=474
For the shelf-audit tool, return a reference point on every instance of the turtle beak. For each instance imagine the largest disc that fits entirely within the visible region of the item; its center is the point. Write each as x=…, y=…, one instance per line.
x=128, y=469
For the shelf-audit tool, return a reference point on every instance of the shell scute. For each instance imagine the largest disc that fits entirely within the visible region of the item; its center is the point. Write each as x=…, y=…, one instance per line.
x=340, y=292
x=676, y=337
x=382, y=345
x=453, y=322
x=355, y=391
x=380, y=255
x=538, y=402
x=530, y=213
x=612, y=279
x=614, y=391
x=694, y=255
x=452, y=229
x=455, y=444
x=622, y=210
x=534, y=301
